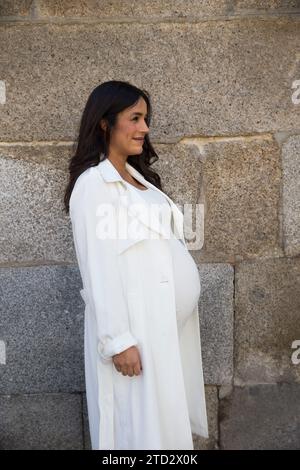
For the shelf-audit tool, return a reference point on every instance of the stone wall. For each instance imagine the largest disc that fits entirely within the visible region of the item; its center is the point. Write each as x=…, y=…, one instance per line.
x=224, y=77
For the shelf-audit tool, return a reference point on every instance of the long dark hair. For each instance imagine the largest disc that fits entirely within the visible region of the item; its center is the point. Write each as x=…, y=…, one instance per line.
x=106, y=101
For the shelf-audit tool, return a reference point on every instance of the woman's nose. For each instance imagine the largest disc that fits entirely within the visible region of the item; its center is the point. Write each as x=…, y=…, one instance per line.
x=145, y=128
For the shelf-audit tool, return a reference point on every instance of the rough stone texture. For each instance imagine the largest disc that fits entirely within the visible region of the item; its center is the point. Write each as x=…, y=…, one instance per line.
x=241, y=182
x=175, y=9
x=212, y=405
x=216, y=322
x=215, y=77
x=291, y=195
x=15, y=8
x=135, y=8
x=180, y=172
x=261, y=417
x=41, y=422
x=266, y=5
x=266, y=321
x=33, y=224
x=41, y=321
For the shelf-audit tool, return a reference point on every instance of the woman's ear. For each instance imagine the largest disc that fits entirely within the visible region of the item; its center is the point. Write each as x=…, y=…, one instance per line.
x=103, y=124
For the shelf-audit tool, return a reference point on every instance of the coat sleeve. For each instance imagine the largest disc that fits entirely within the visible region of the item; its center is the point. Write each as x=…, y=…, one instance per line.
x=98, y=263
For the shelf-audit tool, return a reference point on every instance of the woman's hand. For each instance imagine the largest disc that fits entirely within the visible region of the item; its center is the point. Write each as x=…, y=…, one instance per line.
x=128, y=362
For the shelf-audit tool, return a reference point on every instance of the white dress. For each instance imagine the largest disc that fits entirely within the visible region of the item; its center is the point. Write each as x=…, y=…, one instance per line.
x=186, y=276
x=187, y=292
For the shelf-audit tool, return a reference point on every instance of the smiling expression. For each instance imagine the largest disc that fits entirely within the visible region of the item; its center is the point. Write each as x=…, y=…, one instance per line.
x=131, y=124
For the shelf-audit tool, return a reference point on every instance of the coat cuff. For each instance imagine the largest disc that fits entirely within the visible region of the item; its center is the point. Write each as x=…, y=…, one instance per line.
x=116, y=345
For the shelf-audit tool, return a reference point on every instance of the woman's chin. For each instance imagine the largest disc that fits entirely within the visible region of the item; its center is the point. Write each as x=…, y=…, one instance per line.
x=136, y=151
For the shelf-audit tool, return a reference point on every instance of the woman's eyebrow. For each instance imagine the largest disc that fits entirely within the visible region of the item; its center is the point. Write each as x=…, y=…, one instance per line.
x=139, y=114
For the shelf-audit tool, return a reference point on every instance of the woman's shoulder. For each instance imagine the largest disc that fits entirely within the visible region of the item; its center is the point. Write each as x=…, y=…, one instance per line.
x=88, y=176
x=89, y=186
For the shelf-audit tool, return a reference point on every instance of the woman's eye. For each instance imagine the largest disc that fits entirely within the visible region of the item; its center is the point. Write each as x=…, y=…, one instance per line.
x=146, y=119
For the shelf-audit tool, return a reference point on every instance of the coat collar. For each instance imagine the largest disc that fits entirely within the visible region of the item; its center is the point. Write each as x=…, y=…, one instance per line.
x=108, y=171
x=129, y=195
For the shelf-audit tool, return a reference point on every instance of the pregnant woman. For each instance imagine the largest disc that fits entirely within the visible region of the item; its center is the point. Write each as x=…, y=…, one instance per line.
x=143, y=363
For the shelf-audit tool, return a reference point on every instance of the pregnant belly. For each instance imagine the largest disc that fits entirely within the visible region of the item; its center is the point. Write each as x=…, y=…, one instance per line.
x=186, y=281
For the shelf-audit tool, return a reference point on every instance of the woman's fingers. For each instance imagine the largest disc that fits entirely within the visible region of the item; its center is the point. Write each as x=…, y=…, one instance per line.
x=130, y=370
x=128, y=362
x=138, y=369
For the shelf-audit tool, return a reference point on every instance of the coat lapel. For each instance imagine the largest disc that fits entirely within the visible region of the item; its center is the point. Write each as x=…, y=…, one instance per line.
x=129, y=198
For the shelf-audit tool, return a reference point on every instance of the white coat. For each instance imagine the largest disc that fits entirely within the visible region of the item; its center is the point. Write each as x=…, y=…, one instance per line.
x=128, y=290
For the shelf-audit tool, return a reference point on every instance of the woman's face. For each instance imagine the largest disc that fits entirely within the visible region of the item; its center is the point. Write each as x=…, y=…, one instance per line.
x=129, y=126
